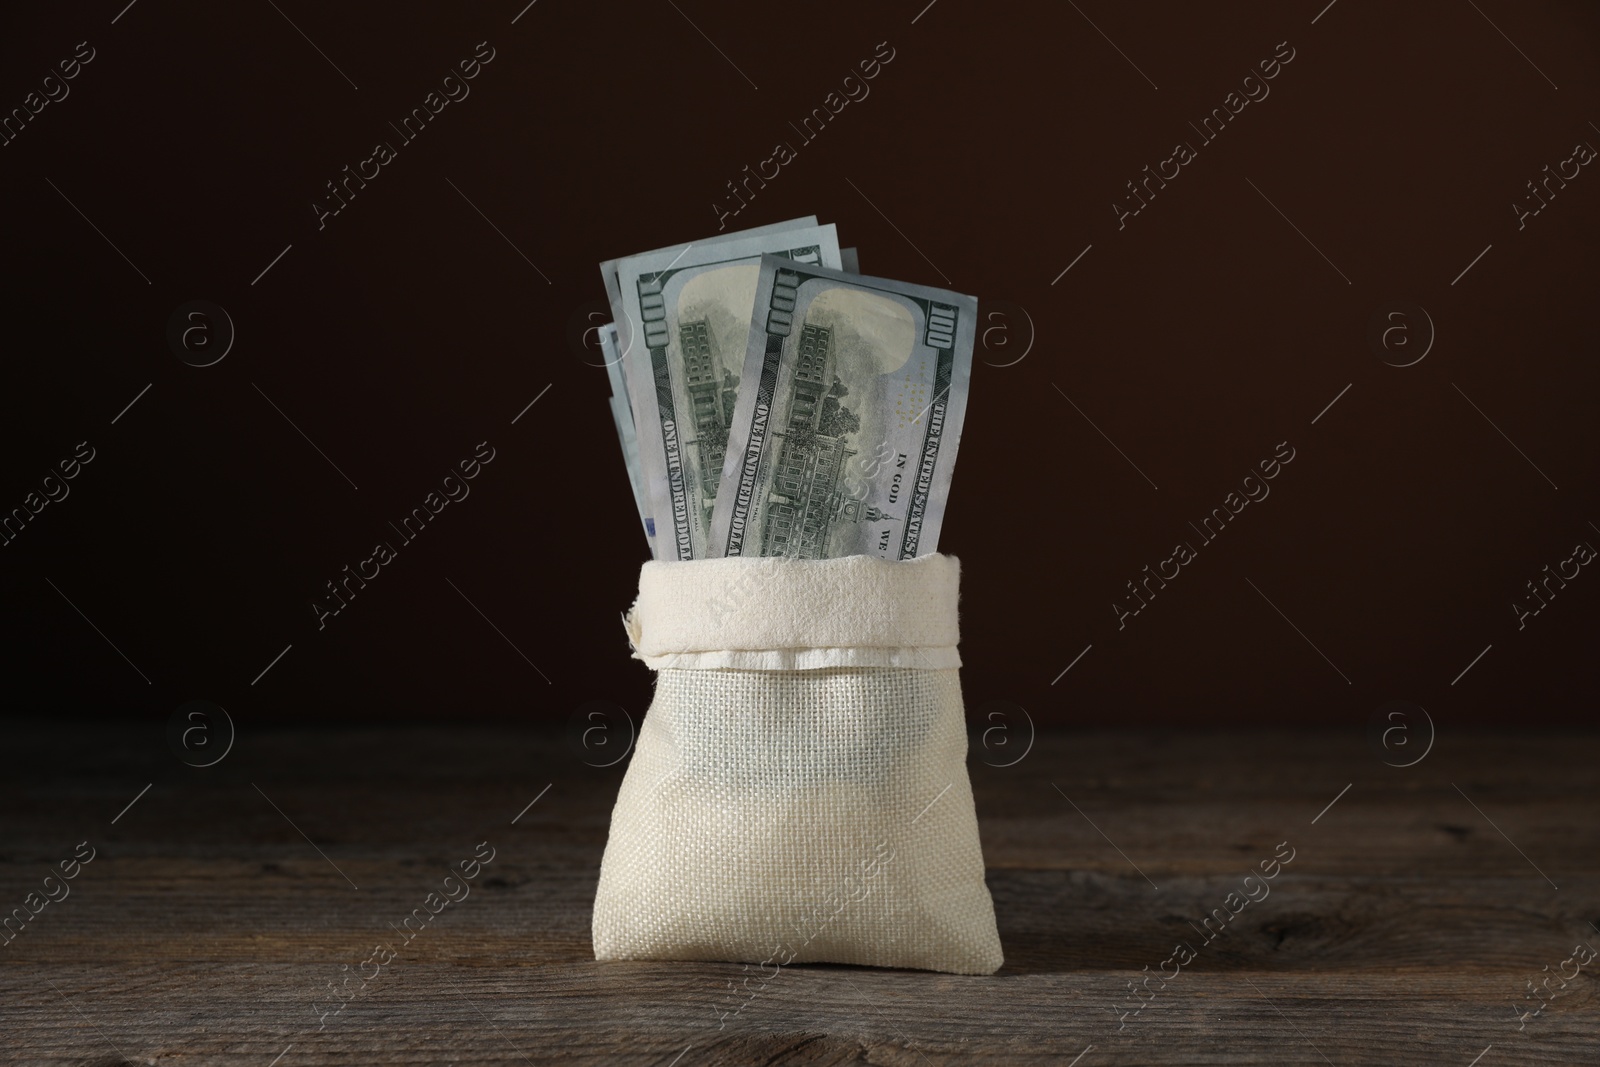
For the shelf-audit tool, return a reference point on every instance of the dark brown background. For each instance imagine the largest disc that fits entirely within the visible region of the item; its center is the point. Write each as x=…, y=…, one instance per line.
x=1197, y=338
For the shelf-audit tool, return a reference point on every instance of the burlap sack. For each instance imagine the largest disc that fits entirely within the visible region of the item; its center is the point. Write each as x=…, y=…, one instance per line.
x=799, y=792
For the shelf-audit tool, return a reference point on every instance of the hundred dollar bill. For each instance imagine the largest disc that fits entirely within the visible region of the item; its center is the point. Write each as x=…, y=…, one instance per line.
x=692, y=306
x=608, y=272
x=613, y=352
x=622, y=415
x=844, y=436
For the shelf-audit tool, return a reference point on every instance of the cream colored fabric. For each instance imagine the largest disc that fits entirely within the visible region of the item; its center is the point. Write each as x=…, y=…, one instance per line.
x=778, y=816
x=858, y=611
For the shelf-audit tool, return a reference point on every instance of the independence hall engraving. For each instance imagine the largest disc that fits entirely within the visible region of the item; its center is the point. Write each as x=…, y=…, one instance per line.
x=808, y=499
x=711, y=394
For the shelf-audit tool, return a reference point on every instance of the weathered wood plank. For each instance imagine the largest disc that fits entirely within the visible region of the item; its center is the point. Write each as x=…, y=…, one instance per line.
x=207, y=928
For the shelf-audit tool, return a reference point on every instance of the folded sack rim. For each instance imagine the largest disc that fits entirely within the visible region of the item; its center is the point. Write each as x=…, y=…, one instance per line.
x=776, y=613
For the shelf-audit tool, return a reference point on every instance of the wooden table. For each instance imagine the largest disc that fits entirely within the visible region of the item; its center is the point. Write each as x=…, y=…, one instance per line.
x=223, y=903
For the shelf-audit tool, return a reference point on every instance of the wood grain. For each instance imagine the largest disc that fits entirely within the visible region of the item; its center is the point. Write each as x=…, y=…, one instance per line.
x=207, y=926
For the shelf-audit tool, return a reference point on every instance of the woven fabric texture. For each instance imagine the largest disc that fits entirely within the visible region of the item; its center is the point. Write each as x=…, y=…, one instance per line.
x=787, y=816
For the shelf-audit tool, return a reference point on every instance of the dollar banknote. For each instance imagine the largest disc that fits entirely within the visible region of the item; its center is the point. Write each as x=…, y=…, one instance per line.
x=622, y=415
x=620, y=342
x=845, y=431
x=690, y=309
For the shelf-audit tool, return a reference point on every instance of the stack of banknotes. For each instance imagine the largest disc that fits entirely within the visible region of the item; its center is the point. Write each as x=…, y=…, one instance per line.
x=774, y=401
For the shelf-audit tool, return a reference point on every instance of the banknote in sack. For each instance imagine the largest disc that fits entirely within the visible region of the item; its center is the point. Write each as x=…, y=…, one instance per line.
x=849, y=412
x=690, y=315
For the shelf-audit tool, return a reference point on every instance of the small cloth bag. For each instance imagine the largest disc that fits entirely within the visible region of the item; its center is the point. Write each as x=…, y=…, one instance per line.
x=799, y=792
